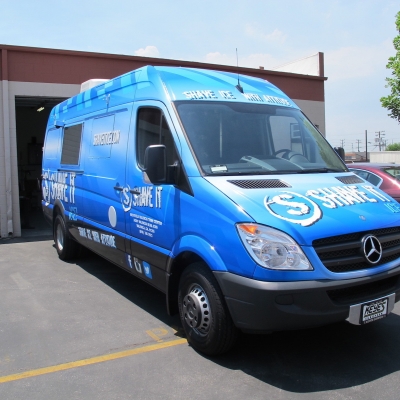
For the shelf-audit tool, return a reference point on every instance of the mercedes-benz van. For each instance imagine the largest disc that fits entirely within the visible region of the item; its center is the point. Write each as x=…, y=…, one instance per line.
x=224, y=196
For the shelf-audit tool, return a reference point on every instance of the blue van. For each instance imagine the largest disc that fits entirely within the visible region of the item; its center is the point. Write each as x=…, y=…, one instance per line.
x=223, y=195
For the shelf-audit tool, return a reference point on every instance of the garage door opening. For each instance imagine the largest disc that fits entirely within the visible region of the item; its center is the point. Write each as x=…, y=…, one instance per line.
x=31, y=115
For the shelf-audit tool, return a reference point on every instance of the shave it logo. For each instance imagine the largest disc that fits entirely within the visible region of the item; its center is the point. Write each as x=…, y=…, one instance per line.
x=307, y=210
x=294, y=207
x=58, y=185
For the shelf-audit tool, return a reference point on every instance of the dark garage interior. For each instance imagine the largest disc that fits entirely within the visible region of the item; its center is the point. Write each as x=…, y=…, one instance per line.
x=31, y=119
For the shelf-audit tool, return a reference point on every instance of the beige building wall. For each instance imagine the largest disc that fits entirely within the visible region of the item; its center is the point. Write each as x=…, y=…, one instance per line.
x=385, y=157
x=3, y=161
x=315, y=111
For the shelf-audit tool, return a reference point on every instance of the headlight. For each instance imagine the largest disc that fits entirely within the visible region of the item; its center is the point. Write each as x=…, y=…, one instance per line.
x=273, y=249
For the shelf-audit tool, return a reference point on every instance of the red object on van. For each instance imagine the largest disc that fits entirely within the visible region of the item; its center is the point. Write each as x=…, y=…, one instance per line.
x=386, y=176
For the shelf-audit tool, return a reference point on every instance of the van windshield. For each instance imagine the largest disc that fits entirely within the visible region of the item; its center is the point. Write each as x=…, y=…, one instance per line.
x=239, y=138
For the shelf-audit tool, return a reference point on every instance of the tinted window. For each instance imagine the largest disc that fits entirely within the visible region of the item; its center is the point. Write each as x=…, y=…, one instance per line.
x=374, y=179
x=362, y=174
x=71, y=145
x=152, y=128
x=368, y=176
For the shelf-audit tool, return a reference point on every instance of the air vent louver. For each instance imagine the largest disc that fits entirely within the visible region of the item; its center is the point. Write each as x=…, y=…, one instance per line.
x=349, y=180
x=260, y=183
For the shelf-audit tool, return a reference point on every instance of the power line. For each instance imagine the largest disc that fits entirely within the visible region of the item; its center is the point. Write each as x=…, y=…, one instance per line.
x=379, y=139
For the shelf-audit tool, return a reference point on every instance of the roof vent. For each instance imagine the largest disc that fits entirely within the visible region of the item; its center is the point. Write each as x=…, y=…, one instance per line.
x=91, y=83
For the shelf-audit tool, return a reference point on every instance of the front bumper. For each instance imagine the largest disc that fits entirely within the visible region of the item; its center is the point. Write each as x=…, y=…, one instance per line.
x=260, y=307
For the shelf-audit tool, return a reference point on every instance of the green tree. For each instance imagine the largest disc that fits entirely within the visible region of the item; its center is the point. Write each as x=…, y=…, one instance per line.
x=393, y=147
x=392, y=102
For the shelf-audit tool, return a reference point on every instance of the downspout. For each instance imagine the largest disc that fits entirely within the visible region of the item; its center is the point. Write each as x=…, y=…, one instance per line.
x=7, y=142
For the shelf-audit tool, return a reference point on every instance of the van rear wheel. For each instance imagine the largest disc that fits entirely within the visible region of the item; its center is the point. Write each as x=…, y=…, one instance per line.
x=66, y=247
x=204, y=315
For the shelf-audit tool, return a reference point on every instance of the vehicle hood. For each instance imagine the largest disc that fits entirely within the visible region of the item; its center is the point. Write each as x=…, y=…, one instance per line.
x=311, y=206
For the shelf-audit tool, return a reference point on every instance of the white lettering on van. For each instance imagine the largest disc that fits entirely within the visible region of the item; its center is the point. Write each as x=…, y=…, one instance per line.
x=340, y=196
x=276, y=100
x=108, y=240
x=126, y=199
x=72, y=176
x=200, y=94
x=101, y=238
x=372, y=190
x=101, y=139
x=299, y=209
x=96, y=236
x=158, y=196
x=253, y=97
x=146, y=226
x=144, y=197
x=58, y=185
x=82, y=232
x=226, y=94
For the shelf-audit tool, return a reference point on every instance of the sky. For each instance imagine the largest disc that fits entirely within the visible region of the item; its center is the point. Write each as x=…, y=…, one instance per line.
x=355, y=36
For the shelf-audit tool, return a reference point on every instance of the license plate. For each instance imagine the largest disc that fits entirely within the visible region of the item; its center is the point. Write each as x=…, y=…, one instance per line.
x=374, y=310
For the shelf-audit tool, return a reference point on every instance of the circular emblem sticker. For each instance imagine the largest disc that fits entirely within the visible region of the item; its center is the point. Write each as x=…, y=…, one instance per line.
x=112, y=216
x=294, y=208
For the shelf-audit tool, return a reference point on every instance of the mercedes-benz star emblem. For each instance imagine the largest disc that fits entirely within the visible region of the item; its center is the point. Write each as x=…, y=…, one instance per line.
x=372, y=249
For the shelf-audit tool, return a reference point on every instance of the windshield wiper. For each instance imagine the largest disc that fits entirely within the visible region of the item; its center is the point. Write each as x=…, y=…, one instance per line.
x=233, y=173
x=258, y=162
x=280, y=172
x=319, y=170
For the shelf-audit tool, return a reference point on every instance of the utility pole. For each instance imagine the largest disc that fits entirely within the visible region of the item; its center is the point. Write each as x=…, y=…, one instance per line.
x=358, y=145
x=342, y=143
x=366, y=146
x=379, y=139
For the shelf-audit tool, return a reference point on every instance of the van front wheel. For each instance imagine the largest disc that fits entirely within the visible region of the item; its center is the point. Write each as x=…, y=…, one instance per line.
x=204, y=315
x=66, y=247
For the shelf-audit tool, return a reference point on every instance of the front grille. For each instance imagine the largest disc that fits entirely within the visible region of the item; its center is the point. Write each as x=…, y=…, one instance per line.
x=344, y=253
x=260, y=183
x=364, y=292
x=350, y=180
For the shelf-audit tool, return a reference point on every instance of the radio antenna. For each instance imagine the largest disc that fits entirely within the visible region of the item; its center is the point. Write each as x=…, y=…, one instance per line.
x=238, y=87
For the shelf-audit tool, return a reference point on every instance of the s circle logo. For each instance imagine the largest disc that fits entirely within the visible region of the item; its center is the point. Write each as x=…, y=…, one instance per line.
x=294, y=208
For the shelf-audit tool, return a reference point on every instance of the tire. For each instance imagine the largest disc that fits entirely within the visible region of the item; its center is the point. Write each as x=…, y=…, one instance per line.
x=204, y=314
x=66, y=247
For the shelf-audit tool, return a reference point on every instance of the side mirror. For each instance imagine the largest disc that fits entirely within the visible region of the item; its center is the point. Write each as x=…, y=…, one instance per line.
x=155, y=163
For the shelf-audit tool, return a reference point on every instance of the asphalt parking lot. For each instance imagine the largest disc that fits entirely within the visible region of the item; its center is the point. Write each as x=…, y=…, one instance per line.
x=88, y=330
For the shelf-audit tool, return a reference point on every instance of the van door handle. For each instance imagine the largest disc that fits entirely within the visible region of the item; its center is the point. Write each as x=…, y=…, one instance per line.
x=119, y=188
x=134, y=191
